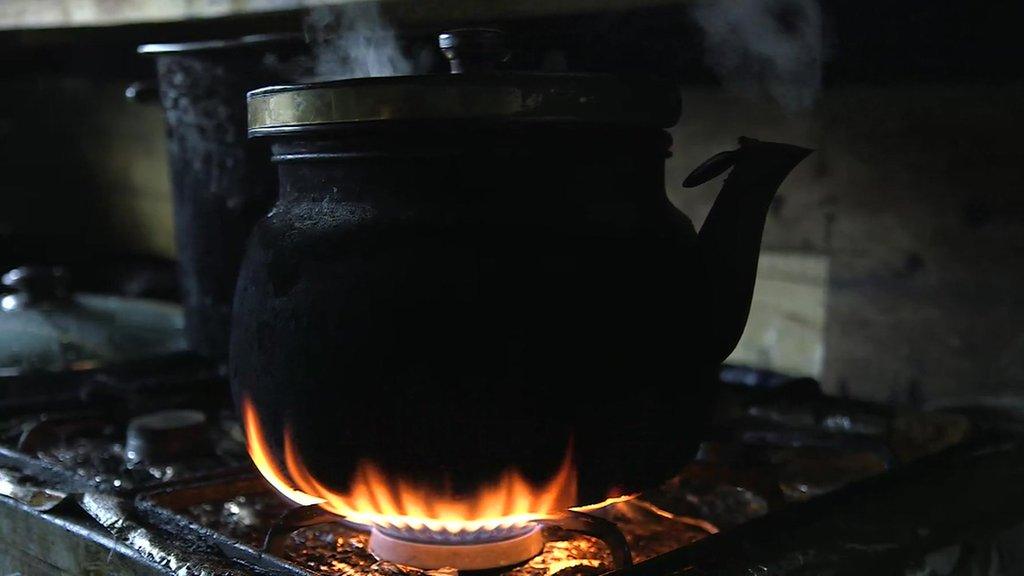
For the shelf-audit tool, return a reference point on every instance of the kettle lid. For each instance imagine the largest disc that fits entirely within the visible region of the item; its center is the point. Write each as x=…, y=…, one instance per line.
x=475, y=90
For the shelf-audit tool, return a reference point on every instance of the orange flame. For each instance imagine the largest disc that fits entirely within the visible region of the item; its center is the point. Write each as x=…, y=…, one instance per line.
x=374, y=499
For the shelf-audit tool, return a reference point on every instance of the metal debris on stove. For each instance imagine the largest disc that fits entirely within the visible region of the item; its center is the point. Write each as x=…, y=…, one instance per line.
x=245, y=517
x=650, y=530
x=241, y=511
x=566, y=554
x=98, y=460
x=796, y=416
x=851, y=422
x=807, y=463
x=21, y=488
x=915, y=435
x=116, y=515
x=805, y=473
x=723, y=495
x=332, y=549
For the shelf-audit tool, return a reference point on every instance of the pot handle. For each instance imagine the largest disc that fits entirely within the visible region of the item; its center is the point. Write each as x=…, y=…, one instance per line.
x=603, y=530
x=142, y=92
x=35, y=284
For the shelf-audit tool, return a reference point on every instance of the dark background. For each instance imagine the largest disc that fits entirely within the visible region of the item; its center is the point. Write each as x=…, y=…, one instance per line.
x=914, y=199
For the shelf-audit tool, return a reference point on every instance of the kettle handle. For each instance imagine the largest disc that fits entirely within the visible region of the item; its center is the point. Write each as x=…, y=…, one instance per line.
x=711, y=168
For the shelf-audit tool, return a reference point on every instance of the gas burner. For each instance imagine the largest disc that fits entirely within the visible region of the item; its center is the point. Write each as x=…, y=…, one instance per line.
x=418, y=532
x=478, y=550
x=500, y=546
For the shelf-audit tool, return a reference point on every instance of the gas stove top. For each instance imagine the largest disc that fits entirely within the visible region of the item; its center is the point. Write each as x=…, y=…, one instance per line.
x=144, y=470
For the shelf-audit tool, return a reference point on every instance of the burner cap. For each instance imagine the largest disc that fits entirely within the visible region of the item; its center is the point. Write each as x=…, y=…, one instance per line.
x=471, y=555
x=165, y=436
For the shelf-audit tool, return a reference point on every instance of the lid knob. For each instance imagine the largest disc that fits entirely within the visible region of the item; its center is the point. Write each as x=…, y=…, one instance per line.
x=166, y=436
x=474, y=49
x=37, y=284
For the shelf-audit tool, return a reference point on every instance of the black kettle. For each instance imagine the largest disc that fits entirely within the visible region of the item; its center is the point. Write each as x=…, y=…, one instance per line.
x=474, y=277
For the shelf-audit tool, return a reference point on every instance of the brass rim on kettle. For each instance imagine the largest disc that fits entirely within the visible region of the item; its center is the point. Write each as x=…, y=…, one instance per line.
x=502, y=97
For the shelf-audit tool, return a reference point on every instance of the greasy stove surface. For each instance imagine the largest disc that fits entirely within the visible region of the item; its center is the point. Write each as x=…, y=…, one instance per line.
x=84, y=474
x=243, y=510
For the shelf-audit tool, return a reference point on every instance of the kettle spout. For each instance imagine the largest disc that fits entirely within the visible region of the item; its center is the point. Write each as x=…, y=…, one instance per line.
x=729, y=242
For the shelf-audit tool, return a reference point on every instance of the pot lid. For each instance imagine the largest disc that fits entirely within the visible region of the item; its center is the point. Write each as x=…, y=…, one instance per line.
x=244, y=42
x=474, y=91
x=45, y=327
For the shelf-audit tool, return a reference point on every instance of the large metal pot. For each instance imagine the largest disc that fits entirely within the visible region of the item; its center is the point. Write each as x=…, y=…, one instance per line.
x=46, y=327
x=222, y=182
x=475, y=272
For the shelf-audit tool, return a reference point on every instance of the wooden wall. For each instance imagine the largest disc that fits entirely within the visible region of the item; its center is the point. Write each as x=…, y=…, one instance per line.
x=915, y=199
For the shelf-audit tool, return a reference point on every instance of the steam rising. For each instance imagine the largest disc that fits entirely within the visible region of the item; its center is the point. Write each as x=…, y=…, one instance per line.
x=354, y=41
x=765, y=46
